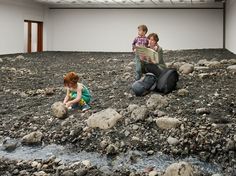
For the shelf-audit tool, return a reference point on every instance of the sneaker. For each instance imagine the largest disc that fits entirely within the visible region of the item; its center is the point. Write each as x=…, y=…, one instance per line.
x=85, y=108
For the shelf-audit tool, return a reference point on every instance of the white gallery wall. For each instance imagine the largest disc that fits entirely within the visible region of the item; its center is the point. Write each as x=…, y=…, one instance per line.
x=113, y=30
x=231, y=25
x=12, y=16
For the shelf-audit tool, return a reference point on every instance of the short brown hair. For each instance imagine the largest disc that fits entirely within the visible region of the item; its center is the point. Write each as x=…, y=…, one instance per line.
x=71, y=78
x=154, y=35
x=143, y=27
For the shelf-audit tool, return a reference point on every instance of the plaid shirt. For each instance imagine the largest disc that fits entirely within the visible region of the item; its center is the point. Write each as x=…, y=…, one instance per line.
x=140, y=41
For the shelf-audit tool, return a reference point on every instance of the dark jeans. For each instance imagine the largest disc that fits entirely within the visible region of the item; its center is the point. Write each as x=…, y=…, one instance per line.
x=152, y=68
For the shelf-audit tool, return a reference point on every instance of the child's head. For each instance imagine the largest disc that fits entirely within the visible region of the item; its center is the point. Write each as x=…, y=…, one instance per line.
x=142, y=30
x=71, y=79
x=153, y=39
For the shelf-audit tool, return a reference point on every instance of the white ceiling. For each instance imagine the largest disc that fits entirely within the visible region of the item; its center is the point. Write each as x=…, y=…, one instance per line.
x=132, y=3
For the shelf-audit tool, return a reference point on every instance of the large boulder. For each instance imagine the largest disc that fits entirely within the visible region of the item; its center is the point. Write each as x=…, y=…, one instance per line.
x=167, y=122
x=32, y=138
x=104, y=119
x=157, y=101
x=59, y=110
x=179, y=169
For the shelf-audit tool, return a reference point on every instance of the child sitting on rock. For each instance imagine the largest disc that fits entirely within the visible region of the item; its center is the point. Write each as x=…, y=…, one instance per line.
x=77, y=95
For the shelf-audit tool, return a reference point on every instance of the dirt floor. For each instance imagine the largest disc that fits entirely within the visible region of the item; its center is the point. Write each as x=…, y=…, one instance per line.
x=31, y=83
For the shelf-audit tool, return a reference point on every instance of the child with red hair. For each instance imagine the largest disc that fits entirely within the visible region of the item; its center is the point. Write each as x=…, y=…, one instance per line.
x=77, y=94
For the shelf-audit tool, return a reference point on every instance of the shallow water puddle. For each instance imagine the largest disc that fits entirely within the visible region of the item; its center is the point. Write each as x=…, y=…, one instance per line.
x=132, y=160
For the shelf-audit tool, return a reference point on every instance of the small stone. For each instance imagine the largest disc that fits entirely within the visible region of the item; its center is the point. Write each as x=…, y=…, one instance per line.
x=135, y=127
x=49, y=91
x=1, y=60
x=81, y=172
x=153, y=173
x=231, y=145
x=127, y=133
x=34, y=164
x=68, y=173
x=203, y=75
x=197, y=68
x=150, y=152
x=183, y=92
x=202, y=111
x=167, y=122
x=9, y=145
x=111, y=149
x=103, y=144
x=20, y=57
x=86, y=163
x=172, y=141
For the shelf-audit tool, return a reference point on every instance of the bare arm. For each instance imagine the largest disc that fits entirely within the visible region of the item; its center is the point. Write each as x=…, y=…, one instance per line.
x=77, y=99
x=67, y=96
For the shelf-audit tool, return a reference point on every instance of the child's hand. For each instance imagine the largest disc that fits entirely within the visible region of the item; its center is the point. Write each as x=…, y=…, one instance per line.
x=68, y=104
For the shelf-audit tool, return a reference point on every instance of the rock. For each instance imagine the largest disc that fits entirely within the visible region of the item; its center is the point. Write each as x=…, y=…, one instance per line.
x=68, y=173
x=217, y=175
x=104, y=119
x=214, y=64
x=232, y=61
x=197, y=68
x=183, y=92
x=103, y=144
x=106, y=170
x=132, y=107
x=40, y=173
x=1, y=60
x=111, y=149
x=86, y=163
x=186, y=68
x=131, y=63
x=153, y=173
x=157, y=101
x=32, y=138
x=20, y=57
x=150, y=152
x=9, y=145
x=167, y=122
x=203, y=62
x=202, y=111
x=203, y=75
x=81, y=172
x=49, y=91
x=139, y=113
x=231, y=145
x=172, y=141
x=59, y=110
x=179, y=169
x=232, y=68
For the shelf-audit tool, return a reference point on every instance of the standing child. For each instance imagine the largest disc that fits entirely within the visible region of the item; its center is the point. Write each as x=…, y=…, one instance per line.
x=141, y=40
x=77, y=94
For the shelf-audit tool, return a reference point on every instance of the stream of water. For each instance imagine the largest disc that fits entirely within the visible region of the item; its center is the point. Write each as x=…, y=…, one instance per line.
x=142, y=160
